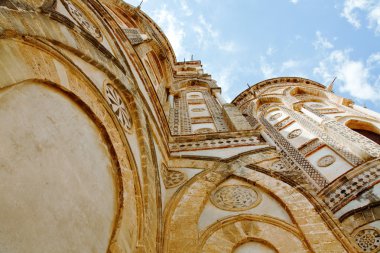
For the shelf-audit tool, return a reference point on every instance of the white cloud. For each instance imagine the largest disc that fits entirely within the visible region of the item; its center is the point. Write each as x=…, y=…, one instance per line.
x=369, y=8
x=270, y=51
x=225, y=79
x=289, y=64
x=322, y=42
x=173, y=29
x=294, y=1
x=349, y=10
x=185, y=7
x=266, y=69
x=354, y=76
x=208, y=36
x=374, y=19
x=228, y=46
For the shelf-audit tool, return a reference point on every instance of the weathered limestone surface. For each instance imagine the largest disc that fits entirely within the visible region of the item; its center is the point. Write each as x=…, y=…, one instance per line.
x=108, y=144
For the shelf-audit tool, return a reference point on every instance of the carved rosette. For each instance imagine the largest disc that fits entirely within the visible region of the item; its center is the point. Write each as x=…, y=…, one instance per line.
x=235, y=197
x=368, y=240
x=79, y=17
x=118, y=107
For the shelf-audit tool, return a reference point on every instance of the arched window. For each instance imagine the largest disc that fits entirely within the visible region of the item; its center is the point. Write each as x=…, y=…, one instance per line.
x=365, y=128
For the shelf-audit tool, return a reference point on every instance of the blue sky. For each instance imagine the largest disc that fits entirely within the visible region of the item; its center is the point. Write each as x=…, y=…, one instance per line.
x=247, y=41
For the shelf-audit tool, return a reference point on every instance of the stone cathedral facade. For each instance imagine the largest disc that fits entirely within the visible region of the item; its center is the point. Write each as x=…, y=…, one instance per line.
x=108, y=144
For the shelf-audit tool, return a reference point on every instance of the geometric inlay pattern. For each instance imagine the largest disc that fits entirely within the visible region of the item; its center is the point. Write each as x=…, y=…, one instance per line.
x=118, y=107
x=235, y=197
x=283, y=123
x=368, y=240
x=352, y=188
x=172, y=178
x=326, y=161
x=81, y=19
x=293, y=154
x=294, y=134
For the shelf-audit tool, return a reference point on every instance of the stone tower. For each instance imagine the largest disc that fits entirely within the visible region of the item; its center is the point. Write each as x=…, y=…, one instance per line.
x=109, y=144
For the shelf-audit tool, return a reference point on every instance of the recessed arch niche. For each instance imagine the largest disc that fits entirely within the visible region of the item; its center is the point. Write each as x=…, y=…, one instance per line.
x=59, y=189
x=365, y=128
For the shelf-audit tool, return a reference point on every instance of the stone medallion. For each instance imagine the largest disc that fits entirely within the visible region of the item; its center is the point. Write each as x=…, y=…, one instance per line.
x=81, y=19
x=294, y=134
x=198, y=109
x=326, y=161
x=316, y=106
x=118, y=107
x=368, y=240
x=275, y=116
x=235, y=197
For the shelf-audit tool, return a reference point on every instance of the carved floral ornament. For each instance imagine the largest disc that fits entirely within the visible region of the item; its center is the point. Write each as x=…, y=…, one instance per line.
x=368, y=239
x=235, y=197
x=81, y=19
x=118, y=106
x=326, y=161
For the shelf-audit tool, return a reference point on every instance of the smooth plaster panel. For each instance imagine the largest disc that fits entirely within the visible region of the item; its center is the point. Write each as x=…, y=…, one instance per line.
x=300, y=140
x=339, y=167
x=57, y=190
x=253, y=247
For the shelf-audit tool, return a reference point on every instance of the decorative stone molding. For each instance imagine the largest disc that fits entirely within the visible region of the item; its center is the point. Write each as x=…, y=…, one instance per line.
x=313, y=127
x=310, y=146
x=135, y=36
x=235, y=197
x=293, y=154
x=81, y=19
x=215, y=143
x=216, y=112
x=282, y=124
x=356, y=182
